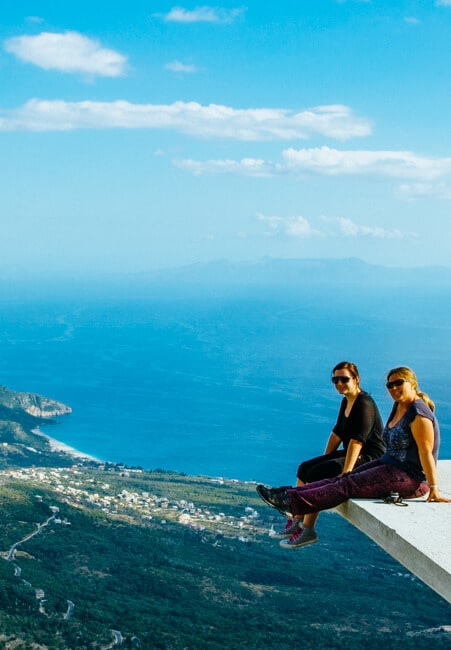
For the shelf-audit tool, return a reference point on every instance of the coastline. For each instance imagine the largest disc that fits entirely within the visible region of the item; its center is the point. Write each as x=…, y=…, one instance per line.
x=58, y=446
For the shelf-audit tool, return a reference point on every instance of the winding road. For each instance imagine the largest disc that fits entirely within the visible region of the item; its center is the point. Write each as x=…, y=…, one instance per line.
x=12, y=550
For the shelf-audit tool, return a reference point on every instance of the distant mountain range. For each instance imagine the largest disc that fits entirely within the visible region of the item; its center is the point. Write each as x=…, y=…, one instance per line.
x=277, y=271
x=224, y=277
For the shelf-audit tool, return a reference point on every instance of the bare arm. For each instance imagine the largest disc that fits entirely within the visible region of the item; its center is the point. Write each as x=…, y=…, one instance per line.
x=333, y=443
x=352, y=454
x=423, y=433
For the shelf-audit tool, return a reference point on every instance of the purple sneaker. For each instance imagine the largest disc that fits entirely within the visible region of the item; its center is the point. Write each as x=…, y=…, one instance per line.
x=303, y=537
x=291, y=527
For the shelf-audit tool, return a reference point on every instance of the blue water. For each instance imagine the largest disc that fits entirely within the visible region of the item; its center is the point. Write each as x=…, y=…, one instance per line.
x=235, y=387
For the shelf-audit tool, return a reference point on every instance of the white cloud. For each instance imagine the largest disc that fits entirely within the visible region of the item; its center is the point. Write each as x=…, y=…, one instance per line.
x=412, y=191
x=289, y=226
x=420, y=176
x=443, y=3
x=332, y=228
x=69, y=52
x=251, y=124
x=244, y=167
x=349, y=228
x=203, y=14
x=333, y=162
x=391, y=164
x=178, y=66
x=411, y=20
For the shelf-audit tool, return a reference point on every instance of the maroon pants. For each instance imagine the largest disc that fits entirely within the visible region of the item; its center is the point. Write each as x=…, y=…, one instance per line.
x=374, y=480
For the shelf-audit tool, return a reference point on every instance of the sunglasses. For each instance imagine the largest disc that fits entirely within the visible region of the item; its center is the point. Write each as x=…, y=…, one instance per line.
x=343, y=380
x=396, y=382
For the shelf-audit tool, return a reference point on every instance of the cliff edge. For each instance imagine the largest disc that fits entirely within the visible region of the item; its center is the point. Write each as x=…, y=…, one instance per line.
x=20, y=416
x=36, y=405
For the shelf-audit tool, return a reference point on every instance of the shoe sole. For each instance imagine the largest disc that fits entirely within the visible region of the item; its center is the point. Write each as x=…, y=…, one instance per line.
x=295, y=546
x=279, y=536
x=285, y=513
x=274, y=535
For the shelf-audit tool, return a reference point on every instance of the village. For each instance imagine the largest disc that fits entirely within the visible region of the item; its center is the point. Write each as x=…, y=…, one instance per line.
x=85, y=487
x=80, y=487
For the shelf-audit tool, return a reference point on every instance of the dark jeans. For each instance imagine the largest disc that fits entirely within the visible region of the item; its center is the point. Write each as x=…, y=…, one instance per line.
x=325, y=466
x=374, y=480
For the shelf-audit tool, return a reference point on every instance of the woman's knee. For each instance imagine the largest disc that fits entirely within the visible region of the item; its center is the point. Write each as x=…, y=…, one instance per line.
x=330, y=469
x=301, y=474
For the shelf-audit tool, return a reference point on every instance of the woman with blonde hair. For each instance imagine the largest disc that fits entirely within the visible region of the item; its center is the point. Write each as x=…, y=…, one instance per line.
x=412, y=436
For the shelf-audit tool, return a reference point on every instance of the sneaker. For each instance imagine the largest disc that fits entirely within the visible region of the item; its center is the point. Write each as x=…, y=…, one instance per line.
x=276, y=498
x=303, y=537
x=291, y=527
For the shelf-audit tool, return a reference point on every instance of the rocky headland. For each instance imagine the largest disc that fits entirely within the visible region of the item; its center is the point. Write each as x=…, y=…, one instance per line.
x=33, y=404
x=21, y=440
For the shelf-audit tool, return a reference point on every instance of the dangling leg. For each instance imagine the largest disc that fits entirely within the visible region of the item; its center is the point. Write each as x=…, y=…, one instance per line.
x=326, y=466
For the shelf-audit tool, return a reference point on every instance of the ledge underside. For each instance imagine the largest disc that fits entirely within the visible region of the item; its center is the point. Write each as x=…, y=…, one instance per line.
x=417, y=536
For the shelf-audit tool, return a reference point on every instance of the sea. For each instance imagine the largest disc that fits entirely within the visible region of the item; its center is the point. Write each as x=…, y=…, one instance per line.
x=224, y=385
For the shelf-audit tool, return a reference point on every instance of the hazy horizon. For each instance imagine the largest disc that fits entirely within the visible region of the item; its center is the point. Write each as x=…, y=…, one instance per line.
x=243, y=264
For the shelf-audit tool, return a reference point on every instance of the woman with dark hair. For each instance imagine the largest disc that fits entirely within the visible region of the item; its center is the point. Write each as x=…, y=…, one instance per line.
x=412, y=437
x=358, y=429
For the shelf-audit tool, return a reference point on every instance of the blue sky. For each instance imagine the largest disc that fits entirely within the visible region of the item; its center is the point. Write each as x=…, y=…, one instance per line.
x=151, y=134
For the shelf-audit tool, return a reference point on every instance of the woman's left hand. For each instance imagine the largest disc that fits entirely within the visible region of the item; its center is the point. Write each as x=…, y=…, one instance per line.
x=434, y=496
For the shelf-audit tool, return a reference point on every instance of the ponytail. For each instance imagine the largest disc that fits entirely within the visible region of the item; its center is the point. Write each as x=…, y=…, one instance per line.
x=425, y=397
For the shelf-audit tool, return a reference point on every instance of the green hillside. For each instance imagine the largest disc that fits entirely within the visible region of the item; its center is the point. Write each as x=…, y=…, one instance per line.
x=98, y=556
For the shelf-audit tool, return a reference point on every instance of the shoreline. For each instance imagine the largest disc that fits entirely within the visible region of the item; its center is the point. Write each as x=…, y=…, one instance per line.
x=58, y=446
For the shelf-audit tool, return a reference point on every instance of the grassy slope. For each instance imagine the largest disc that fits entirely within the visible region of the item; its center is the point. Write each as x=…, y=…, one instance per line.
x=166, y=585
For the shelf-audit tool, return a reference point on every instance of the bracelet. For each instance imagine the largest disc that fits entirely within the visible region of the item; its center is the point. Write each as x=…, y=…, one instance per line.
x=433, y=486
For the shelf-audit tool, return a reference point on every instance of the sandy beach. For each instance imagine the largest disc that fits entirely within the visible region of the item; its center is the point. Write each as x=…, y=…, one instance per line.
x=57, y=446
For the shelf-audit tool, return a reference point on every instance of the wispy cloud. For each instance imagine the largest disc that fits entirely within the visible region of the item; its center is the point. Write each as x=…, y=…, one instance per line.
x=392, y=164
x=412, y=191
x=178, y=66
x=420, y=176
x=213, y=120
x=328, y=227
x=411, y=20
x=68, y=52
x=349, y=228
x=243, y=167
x=289, y=226
x=333, y=162
x=202, y=14
x=443, y=3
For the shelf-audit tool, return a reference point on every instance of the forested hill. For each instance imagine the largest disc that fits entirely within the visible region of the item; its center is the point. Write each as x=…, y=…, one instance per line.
x=104, y=556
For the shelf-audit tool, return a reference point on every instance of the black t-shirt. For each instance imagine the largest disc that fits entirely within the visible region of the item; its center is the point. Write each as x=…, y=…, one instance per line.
x=363, y=424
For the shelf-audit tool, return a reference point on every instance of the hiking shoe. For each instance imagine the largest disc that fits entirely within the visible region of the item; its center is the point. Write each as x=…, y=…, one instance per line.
x=276, y=498
x=303, y=537
x=291, y=527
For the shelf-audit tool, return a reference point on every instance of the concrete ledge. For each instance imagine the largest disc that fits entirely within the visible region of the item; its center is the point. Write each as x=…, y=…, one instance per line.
x=418, y=536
